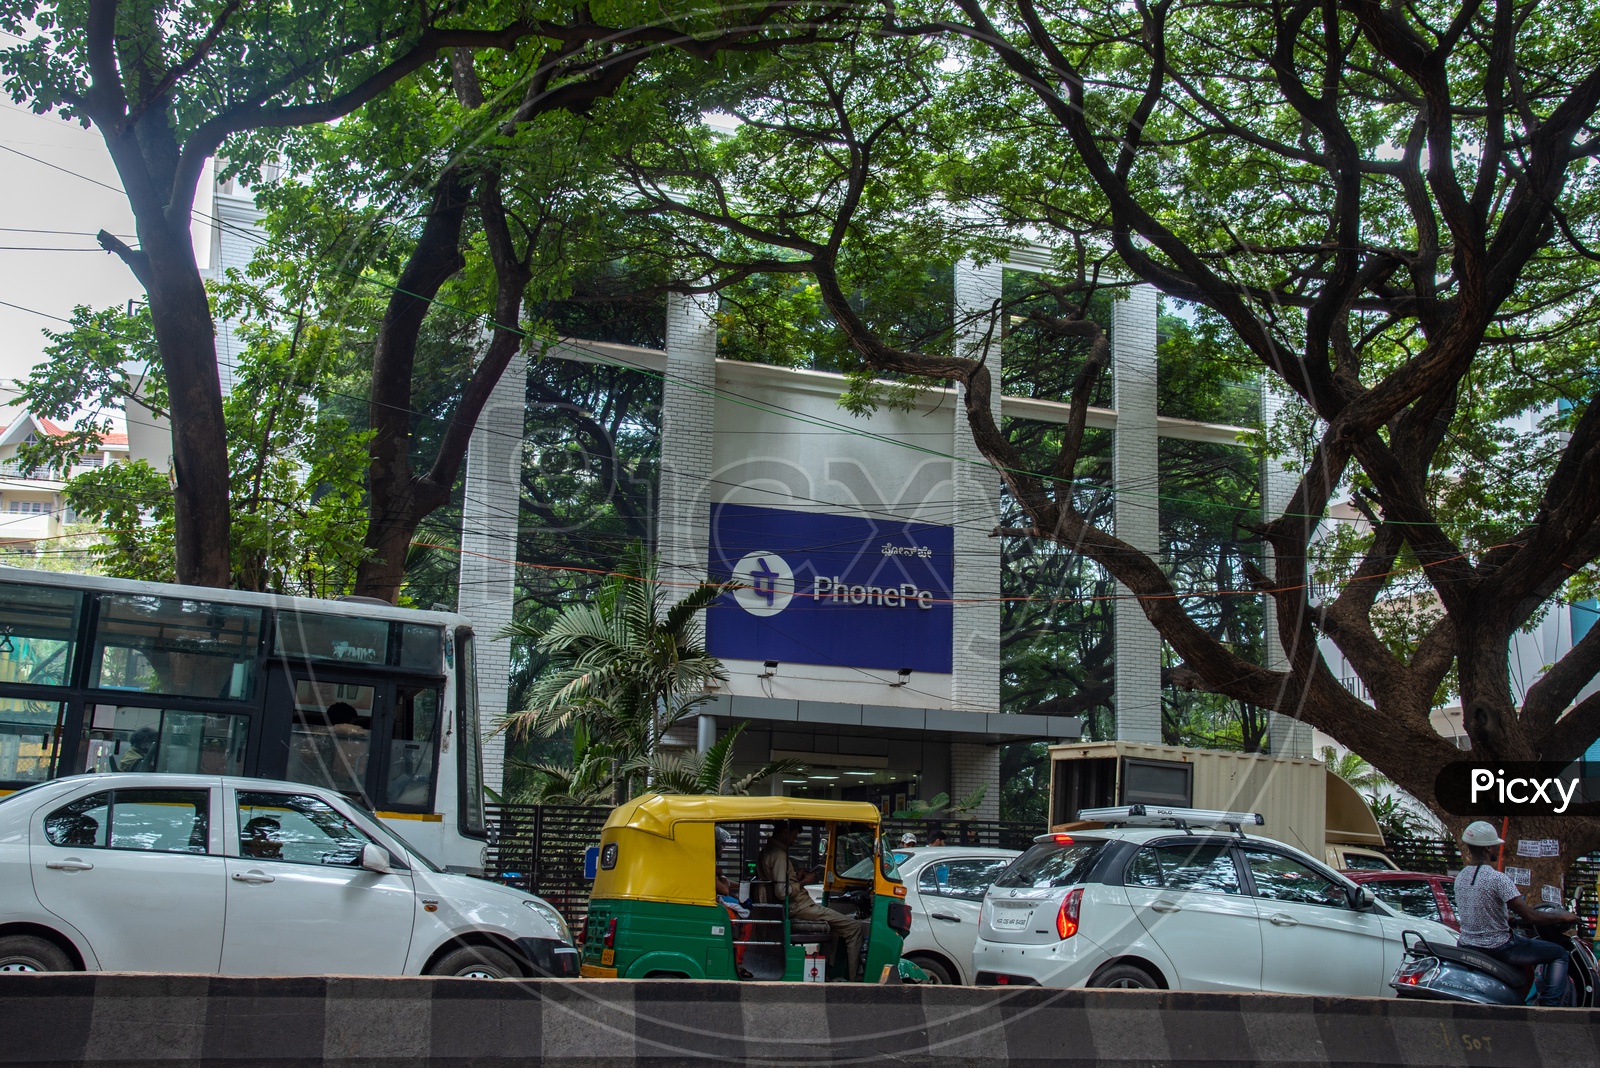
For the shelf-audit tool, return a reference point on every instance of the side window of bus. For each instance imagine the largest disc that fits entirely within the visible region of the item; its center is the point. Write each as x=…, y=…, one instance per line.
x=412, y=745
x=331, y=737
x=130, y=738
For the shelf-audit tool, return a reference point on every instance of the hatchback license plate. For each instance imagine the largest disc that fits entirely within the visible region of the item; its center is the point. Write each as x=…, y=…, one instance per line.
x=1016, y=921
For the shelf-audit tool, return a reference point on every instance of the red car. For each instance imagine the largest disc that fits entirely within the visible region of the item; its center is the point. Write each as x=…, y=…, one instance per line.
x=1415, y=893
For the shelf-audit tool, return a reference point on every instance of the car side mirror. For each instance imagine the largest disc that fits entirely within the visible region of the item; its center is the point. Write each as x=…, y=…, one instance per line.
x=1361, y=898
x=375, y=858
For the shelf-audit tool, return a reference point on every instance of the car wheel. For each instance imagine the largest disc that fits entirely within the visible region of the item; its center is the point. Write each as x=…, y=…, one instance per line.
x=27, y=953
x=477, y=962
x=938, y=974
x=1124, y=977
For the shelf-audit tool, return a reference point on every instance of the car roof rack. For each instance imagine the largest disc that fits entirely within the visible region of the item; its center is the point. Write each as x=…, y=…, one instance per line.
x=1168, y=816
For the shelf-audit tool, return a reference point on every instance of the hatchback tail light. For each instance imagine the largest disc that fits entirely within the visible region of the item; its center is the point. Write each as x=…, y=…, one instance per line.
x=611, y=934
x=1067, y=915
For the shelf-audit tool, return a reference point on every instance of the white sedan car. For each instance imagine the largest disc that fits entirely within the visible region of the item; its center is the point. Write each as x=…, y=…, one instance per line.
x=1174, y=907
x=945, y=887
x=191, y=873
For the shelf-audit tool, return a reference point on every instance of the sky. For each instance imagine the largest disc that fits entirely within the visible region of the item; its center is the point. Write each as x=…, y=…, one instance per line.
x=35, y=196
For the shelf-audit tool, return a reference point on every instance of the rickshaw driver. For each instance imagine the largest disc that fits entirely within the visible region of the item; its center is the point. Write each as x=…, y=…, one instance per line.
x=775, y=866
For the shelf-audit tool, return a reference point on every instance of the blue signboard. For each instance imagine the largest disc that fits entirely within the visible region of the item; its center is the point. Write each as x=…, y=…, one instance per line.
x=828, y=589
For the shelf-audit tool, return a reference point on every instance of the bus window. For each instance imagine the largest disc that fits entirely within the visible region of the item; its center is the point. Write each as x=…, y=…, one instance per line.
x=176, y=646
x=421, y=647
x=130, y=738
x=38, y=630
x=316, y=636
x=331, y=736
x=472, y=821
x=413, y=740
x=29, y=734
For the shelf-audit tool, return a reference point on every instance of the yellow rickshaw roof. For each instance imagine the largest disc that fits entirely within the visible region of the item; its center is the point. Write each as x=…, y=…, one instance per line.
x=656, y=813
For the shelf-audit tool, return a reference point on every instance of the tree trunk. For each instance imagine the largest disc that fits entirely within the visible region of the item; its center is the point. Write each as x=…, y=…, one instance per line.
x=398, y=500
x=186, y=340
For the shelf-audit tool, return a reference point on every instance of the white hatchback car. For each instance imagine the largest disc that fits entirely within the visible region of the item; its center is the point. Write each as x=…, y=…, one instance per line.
x=1168, y=905
x=945, y=887
x=191, y=873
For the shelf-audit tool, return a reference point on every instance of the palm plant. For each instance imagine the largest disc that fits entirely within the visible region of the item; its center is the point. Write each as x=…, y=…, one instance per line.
x=625, y=667
x=710, y=772
x=1353, y=769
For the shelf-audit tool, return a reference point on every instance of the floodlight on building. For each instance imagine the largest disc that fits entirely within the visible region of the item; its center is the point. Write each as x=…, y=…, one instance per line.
x=905, y=677
x=772, y=669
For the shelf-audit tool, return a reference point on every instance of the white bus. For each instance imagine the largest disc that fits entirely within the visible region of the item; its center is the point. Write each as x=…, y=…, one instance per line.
x=376, y=702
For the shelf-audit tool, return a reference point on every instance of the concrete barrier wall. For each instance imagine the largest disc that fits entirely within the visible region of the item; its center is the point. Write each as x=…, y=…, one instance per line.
x=151, y=1021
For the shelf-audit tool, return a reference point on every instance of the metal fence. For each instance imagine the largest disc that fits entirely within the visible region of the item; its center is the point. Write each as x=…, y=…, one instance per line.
x=1443, y=856
x=539, y=848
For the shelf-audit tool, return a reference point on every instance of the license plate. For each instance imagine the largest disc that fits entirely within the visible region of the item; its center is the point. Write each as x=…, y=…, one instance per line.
x=608, y=957
x=1016, y=921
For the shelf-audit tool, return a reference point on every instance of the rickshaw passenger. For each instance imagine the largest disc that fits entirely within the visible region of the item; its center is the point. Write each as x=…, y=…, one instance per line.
x=775, y=866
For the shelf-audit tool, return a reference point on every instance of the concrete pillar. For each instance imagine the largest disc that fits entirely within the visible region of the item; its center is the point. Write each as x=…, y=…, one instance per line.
x=688, y=421
x=1286, y=737
x=489, y=524
x=972, y=766
x=706, y=733
x=1136, y=484
x=975, y=666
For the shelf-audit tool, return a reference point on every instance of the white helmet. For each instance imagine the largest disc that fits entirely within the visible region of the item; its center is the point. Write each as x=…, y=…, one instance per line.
x=1481, y=833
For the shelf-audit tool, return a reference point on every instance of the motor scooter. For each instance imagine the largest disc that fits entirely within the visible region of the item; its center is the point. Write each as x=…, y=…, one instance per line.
x=1439, y=972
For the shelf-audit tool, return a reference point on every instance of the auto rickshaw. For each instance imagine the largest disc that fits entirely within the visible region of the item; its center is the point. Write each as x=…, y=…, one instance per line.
x=654, y=910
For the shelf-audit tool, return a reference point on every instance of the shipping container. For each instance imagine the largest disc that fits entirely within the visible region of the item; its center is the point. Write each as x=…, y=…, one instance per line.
x=1302, y=803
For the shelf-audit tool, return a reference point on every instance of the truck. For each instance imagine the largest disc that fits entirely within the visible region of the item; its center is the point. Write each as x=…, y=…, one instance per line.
x=1303, y=803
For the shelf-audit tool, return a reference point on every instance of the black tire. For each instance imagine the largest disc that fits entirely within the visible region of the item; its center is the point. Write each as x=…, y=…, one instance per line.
x=938, y=974
x=1125, y=977
x=477, y=962
x=29, y=953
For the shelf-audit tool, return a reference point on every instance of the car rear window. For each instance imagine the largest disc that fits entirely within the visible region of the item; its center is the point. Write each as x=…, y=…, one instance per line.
x=1048, y=864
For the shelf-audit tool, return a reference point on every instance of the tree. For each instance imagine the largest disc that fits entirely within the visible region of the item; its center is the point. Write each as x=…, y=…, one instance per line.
x=1386, y=207
x=295, y=466
x=173, y=83
x=626, y=668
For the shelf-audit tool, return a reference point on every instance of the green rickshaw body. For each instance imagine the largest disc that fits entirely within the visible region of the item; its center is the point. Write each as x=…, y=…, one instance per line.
x=653, y=911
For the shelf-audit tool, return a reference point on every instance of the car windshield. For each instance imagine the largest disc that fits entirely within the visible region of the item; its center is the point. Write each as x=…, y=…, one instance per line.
x=1050, y=864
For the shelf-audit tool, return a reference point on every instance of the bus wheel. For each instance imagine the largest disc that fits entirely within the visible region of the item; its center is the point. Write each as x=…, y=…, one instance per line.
x=27, y=953
x=477, y=962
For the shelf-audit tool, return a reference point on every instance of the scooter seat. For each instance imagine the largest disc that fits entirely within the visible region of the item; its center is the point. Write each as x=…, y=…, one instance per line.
x=1512, y=976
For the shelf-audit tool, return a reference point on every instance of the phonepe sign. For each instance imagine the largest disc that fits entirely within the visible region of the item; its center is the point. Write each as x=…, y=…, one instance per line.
x=844, y=591
x=1496, y=788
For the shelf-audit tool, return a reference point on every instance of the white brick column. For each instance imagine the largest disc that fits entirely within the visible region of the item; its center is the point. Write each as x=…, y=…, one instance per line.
x=489, y=523
x=975, y=664
x=972, y=766
x=1286, y=737
x=1136, y=482
x=688, y=420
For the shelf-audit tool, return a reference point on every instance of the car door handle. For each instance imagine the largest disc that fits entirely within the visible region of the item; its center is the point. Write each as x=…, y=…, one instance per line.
x=252, y=877
x=945, y=916
x=1166, y=906
x=70, y=864
x=1280, y=920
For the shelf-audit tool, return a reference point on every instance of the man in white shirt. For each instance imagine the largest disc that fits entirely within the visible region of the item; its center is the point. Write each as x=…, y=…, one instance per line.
x=1482, y=897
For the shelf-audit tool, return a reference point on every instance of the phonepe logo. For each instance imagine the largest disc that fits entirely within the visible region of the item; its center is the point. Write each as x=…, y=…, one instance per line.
x=1493, y=788
x=767, y=586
